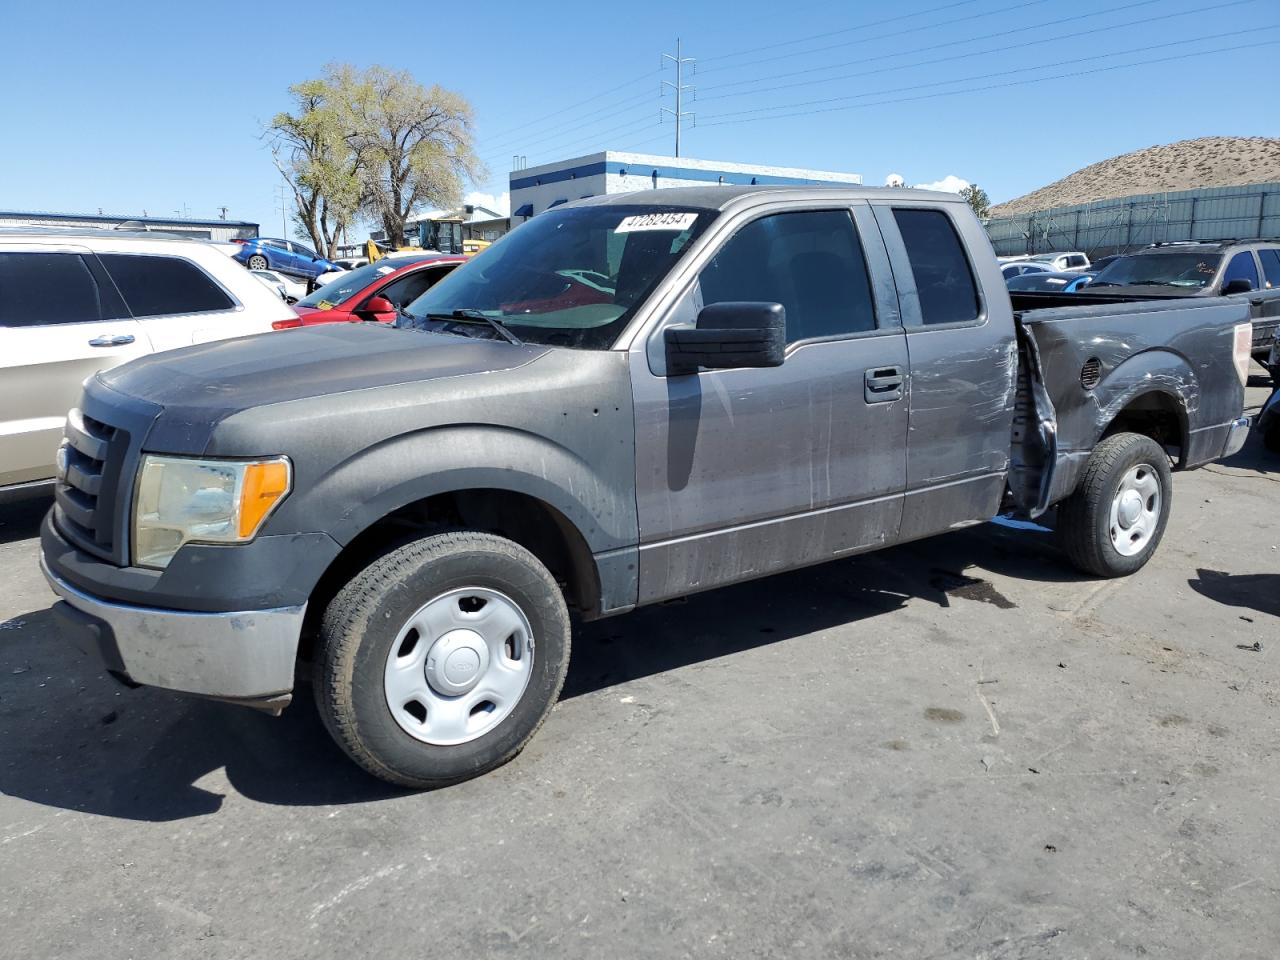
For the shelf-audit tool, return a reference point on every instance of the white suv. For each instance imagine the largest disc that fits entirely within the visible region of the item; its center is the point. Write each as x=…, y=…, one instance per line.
x=1072, y=261
x=76, y=302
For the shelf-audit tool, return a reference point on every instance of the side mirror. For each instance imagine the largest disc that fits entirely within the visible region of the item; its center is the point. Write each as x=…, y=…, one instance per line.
x=1238, y=285
x=728, y=335
x=378, y=305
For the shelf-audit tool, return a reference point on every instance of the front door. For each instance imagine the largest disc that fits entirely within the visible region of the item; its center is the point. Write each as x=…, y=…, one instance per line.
x=744, y=472
x=60, y=322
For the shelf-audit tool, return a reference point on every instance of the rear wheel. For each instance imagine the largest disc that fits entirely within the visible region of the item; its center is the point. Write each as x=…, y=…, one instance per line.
x=1113, y=522
x=258, y=262
x=441, y=659
x=1271, y=433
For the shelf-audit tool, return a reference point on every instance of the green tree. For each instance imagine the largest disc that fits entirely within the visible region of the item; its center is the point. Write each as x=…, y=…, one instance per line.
x=977, y=198
x=414, y=145
x=311, y=150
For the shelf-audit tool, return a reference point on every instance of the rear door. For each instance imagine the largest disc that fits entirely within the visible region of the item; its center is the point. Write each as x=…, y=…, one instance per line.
x=61, y=321
x=175, y=300
x=744, y=472
x=964, y=363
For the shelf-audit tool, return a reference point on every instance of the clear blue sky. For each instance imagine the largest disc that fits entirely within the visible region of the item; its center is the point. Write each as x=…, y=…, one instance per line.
x=159, y=105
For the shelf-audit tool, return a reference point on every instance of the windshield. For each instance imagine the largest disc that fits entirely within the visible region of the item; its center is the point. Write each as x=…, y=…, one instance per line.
x=1192, y=271
x=569, y=277
x=349, y=284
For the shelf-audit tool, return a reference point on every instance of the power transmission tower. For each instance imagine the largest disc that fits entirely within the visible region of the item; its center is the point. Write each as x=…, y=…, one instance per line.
x=679, y=87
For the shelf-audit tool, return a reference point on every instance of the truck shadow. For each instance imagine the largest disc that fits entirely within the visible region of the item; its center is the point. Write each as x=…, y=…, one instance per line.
x=1253, y=591
x=74, y=739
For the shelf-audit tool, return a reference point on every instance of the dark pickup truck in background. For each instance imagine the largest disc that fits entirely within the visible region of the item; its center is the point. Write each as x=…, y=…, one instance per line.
x=625, y=400
x=1244, y=270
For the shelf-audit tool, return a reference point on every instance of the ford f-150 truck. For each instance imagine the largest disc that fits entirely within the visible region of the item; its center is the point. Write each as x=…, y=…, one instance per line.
x=628, y=399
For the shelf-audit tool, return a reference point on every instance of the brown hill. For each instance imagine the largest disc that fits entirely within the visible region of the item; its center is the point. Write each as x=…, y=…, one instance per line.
x=1185, y=165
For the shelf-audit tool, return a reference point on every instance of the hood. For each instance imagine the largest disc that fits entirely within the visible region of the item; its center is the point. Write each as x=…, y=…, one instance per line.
x=200, y=386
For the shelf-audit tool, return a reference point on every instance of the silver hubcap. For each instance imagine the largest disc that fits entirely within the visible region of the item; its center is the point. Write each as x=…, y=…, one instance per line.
x=459, y=666
x=257, y=263
x=1135, y=511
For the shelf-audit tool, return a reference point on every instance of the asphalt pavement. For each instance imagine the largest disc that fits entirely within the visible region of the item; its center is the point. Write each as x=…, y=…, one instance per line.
x=954, y=748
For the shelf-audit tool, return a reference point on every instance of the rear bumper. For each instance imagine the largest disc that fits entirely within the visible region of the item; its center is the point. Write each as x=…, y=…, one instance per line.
x=244, y=655
x=1237, y=433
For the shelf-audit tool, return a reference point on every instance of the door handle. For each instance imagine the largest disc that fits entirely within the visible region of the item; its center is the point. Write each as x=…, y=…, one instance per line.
x=118, y=340
x=883, y=384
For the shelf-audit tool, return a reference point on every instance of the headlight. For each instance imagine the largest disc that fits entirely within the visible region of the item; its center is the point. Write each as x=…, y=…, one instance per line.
x=180, y=500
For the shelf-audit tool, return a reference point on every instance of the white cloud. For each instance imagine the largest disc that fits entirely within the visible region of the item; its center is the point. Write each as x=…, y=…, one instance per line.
x=948, y=184
x=894, y=180
x=500, y=203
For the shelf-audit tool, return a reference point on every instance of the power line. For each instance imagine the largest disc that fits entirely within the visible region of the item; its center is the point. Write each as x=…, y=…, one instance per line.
x=648, y=75
x=622, y=129
x=525, y=145
x=959, y=56
x=887, y=36
x=998, y=86
x=988, y=76
x=830, y=33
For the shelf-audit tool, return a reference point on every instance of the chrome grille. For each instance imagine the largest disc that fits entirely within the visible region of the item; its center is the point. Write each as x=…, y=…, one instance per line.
x=82, y=462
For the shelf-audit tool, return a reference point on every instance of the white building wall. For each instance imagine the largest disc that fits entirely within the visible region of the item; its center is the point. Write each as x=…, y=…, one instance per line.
x=612, y=172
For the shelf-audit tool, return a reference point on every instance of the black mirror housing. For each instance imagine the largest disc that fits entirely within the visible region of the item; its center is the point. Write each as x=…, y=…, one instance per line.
x=1238, y=285
x=728, y=335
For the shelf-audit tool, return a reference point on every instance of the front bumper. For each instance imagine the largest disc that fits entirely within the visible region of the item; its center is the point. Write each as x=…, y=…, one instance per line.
x=1237, y=433
x=245, y=655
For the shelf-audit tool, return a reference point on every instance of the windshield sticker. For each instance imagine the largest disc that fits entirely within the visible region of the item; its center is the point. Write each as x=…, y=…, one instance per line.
x=656, y=221
x=325, y=305
x=383, y=271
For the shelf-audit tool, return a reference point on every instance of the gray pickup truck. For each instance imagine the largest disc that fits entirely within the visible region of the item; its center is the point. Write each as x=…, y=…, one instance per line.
x=627, y=399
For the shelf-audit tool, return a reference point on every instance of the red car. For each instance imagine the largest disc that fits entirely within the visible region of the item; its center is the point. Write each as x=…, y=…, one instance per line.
x=372, y=292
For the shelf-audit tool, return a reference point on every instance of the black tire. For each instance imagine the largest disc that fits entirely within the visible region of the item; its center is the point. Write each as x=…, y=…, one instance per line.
x=362, y=621
x=1271, y=434
x=258, y=262
x=1084, y=517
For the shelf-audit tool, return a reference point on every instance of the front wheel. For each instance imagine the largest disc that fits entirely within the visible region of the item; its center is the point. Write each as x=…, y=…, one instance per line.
x=441, y=659
x=1111, y=525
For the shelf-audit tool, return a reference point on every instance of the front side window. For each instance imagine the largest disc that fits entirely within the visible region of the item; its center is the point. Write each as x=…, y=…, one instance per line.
x=1270, y=258
x=944, y=282
x=1242, y=267
x=160, y=286
x=570, y=277
x=810, y=262
x=39, y=289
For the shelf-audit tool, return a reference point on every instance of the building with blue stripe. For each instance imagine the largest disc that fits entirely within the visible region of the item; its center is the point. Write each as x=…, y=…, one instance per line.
x=535, y=189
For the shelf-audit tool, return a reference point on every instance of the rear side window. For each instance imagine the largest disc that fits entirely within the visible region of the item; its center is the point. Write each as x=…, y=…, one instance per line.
x=161, y=286
x=948, y=293
x=1242, y=267
x=1271, y=266
x=811, y=263
x=39, y=289
x=1075, y=261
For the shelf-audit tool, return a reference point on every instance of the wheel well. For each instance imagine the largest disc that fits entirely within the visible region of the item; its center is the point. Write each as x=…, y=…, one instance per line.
x=1158, y=416
x=534, y=524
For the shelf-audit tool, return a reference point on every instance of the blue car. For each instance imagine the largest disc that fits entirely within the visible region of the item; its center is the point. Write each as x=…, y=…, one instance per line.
x=283, y=256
